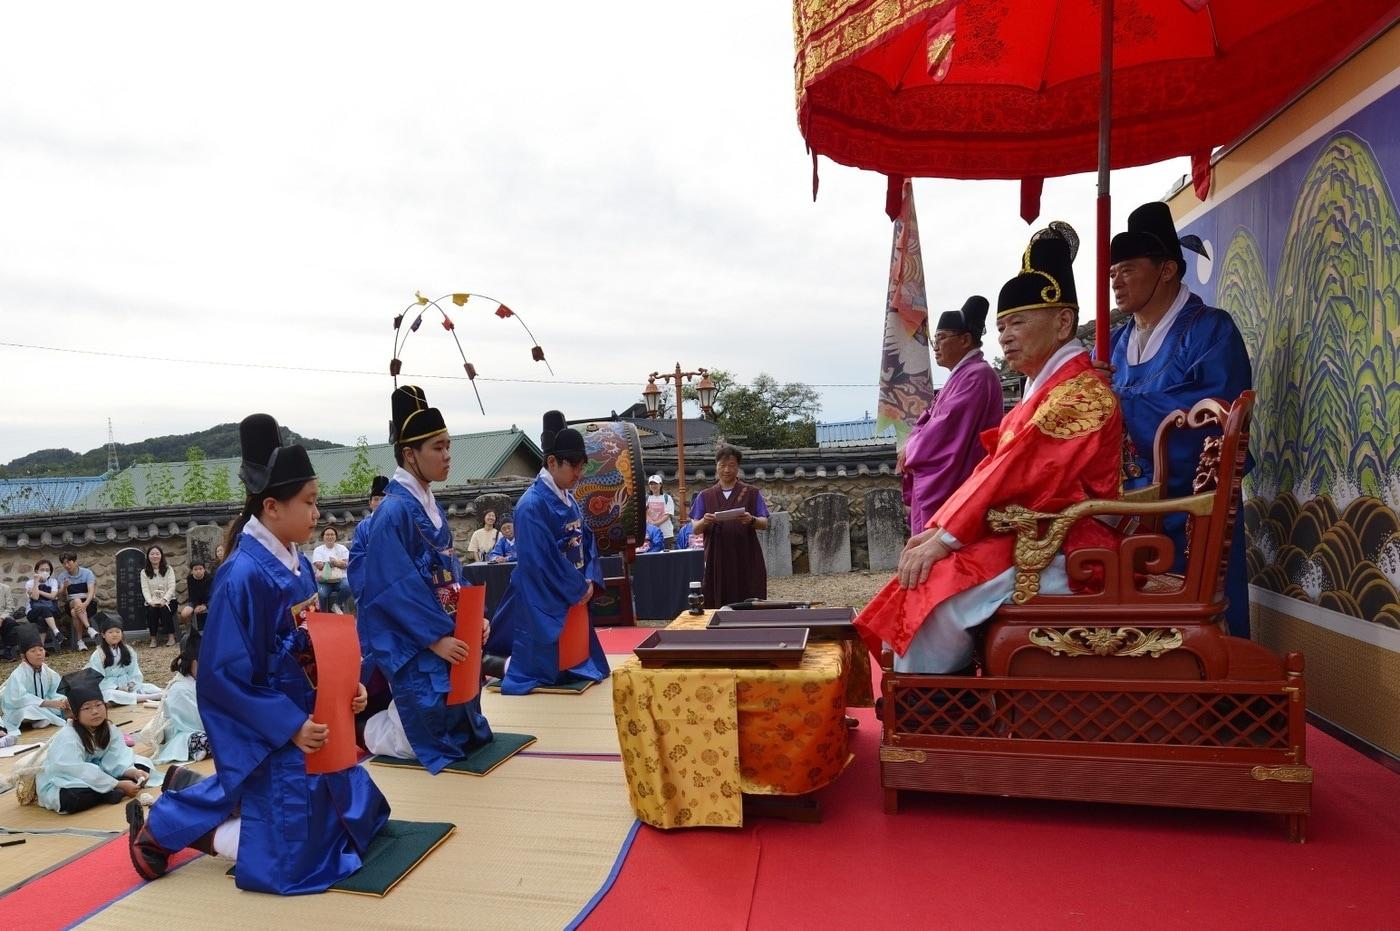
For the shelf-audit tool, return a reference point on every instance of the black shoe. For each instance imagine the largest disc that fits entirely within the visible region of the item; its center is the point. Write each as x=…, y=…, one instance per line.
x=493, y=666
x=150, y=859
x=178, y=777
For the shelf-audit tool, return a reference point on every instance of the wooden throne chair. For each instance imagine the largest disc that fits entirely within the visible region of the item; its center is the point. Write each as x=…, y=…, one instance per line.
x=1132, y=693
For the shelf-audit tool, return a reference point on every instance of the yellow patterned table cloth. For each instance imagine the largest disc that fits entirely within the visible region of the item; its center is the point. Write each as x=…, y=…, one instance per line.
x=695, y=739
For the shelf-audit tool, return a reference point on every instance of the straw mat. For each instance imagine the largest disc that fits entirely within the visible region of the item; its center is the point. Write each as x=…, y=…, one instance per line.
x=38, y=854
x=534, y=843
x=580, y=723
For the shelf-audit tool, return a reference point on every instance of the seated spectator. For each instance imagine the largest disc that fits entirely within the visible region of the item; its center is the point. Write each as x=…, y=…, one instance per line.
x=655, y=542
x=329, y=560
x=504, y=550
x=483, y=541
x=78, y=587
x=118, y=665
x=196, y=608
x=88, y=762
x=30, y=695
x=43, y=609
x=158, y=591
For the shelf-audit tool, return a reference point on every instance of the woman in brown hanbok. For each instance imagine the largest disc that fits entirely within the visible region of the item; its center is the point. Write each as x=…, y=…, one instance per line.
x=734, y=568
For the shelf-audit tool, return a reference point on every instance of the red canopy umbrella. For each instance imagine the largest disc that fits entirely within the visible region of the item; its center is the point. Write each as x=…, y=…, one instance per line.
x=1030, y=89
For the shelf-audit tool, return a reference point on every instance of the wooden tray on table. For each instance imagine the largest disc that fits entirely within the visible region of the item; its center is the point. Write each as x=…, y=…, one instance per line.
x=739, y=647
x=824, y=623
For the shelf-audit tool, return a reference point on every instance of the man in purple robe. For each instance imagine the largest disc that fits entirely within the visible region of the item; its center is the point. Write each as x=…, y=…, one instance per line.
x=945, y=443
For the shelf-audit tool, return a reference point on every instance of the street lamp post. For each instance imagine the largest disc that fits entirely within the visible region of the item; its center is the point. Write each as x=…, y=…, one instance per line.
x=651, y=394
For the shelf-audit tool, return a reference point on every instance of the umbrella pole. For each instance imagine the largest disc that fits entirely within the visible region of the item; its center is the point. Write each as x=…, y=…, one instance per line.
x=1104, y=214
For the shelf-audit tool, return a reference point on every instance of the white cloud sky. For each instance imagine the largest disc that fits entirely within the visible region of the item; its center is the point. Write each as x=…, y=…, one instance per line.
x=271, y=182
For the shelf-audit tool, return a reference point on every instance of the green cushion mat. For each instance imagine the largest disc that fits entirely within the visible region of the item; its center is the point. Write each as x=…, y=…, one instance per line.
x=392, y=855
x=477, y=763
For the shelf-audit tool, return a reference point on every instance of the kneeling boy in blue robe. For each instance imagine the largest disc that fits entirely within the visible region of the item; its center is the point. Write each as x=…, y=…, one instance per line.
x=556, y=567
x=409, y=576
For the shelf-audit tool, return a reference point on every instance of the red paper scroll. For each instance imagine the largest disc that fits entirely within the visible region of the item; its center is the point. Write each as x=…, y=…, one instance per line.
x=573, y=641
x=471, y=613
x=337, y=651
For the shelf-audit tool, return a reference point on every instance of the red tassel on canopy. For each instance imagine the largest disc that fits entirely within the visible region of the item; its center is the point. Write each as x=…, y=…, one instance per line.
x=894, y=197
x=1030, y=198
x=503, y=312
x=1200, y=174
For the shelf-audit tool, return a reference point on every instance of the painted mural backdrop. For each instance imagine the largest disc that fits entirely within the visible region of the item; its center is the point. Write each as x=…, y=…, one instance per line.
x=1307, y=260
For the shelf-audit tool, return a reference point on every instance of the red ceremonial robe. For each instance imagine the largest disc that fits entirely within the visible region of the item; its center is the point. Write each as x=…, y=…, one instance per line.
x=1060, y=446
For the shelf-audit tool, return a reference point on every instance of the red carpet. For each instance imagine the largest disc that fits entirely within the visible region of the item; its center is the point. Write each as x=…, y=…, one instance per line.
x=622, y=639
x=963, y=862
x=68, y=895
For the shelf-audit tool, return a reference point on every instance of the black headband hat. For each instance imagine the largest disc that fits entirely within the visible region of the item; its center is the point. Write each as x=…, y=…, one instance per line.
x=189, y=650
x=108, y=622
x=27, y=638
x=972, y=319
x=559, y=440
x=1151, y=234
x=1046, y=278
x=412, y=419
x=379, y=486
x=81, y=687
x=266, y=462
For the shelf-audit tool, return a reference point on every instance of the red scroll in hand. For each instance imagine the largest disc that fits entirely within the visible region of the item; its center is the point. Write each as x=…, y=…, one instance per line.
x=337, y=651
x=471, y=615
x=573, y=641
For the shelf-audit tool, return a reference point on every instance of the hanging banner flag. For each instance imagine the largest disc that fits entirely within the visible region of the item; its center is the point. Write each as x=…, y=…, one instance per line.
x=906, y=388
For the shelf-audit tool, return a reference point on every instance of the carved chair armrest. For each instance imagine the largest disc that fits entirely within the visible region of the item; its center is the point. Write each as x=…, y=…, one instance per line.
x=1151, y=492
x=1035, y=550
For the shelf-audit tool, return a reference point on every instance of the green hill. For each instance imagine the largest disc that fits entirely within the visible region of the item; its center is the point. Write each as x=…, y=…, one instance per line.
x=217, y=442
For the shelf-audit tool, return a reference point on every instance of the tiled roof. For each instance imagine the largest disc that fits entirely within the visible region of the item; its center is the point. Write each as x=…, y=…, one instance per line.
x=42, y=495
x=475, y=457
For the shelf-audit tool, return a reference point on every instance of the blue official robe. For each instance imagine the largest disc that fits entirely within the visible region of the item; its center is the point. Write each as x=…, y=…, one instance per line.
x=300, y=833
x=555, y=560
x=1203, y=356
x=504, y=549
x=407, y=563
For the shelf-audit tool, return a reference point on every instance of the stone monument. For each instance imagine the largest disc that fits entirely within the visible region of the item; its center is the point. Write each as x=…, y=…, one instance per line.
x=777, y=544
x=200, y=542
x=130, y=605
x=828, y=518
x=886, y=527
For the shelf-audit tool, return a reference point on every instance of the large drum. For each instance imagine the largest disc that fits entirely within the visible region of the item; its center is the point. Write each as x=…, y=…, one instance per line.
x=612, y=492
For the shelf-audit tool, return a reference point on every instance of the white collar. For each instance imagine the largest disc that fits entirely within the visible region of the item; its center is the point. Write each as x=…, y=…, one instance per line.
x=964, y=360
x=423, y=496
x=1052, y=365
x=1158, y=336
x=549, y=481
x=286, y=556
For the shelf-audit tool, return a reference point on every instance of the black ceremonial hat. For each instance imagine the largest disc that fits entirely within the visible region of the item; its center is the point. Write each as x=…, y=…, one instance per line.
x=81, y=687
x=27, y=638
x=107, y=622
x=972, y=319
x=1151, y=234
x=266, y=462
x=1047, y=273
x=413, y=419
x=379, y=486
x=559, y=440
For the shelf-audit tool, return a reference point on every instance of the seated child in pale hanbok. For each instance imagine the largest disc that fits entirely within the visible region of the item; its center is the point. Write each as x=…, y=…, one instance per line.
x=177, y=733
x=88, y=763
x=30, y=695
x=116, y=663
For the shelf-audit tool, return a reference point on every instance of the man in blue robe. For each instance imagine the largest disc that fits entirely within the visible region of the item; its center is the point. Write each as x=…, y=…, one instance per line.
x=409, y=578
x=504, y=550
x=556, y=567
x=290, y=831
x=1172, y=352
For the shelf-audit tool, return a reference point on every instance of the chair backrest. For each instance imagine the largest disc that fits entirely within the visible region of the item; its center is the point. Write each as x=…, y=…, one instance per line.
x=1219, y=472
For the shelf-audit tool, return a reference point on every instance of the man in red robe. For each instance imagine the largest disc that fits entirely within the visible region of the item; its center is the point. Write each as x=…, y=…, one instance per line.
x=945, y=443
x=1060, y=445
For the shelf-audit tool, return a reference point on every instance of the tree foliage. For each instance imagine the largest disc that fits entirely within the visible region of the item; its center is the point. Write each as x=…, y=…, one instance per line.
x=221, y=486
x=764, y=414
x=196, y=487
x=120, y=493
x=160, y=487
x=359, y=477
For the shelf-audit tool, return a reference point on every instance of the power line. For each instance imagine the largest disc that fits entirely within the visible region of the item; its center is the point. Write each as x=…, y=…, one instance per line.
x=328, y=371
